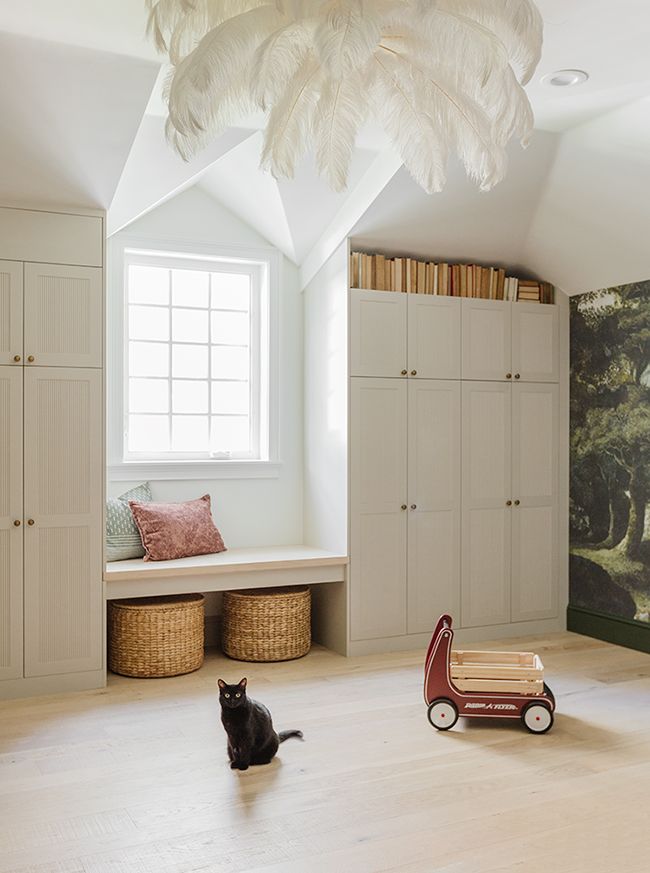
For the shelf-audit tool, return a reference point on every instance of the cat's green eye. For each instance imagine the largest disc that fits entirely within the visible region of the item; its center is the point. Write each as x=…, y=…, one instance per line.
x=226, y=695
x=238, y=694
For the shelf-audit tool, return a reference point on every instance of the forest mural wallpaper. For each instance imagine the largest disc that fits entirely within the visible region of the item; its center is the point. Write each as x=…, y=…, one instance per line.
x=610, y=452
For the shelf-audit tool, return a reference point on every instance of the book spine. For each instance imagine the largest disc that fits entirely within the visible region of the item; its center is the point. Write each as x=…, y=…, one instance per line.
x=420, y=283
x=501, y=281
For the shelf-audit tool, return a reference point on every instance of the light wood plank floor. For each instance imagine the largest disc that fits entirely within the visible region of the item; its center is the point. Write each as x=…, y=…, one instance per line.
x=134, y=778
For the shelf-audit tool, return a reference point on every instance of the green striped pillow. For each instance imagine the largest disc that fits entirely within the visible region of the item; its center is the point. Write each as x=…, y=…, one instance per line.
x=122, y=535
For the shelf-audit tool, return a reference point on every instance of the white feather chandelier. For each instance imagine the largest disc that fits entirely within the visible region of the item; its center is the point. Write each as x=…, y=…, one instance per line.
x=441, y=76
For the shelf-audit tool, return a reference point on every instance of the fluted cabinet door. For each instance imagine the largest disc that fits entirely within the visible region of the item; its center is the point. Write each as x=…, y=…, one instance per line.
x=487, y=504
x=434, y=502
x=11, y=312
x=535, y=487
x=11, y=511
x=63, y=499
x=378, y=522
x=63, y=316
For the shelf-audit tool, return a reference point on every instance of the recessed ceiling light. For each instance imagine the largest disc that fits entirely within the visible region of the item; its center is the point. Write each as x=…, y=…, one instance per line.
x=565, y=78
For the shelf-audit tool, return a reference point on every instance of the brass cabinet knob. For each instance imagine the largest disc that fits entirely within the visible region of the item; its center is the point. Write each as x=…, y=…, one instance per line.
x=17, y=523
x=517, y=376
x=413, y=506
x=517, y=502
x=30, y=358
x=414, y=372
x=508, y=375
x=30, y=521
x=508, y=502
x=404, y=372
x=403, y=506
x=17, y=358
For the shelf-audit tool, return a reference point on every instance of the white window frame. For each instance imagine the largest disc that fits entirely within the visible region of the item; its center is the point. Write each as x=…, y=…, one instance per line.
x=264, y=264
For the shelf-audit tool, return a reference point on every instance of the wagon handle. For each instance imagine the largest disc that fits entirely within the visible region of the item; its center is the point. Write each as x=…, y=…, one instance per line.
x=443, y=623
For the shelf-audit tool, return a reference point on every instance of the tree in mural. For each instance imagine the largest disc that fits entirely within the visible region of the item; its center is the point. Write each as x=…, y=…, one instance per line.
x=610, y=434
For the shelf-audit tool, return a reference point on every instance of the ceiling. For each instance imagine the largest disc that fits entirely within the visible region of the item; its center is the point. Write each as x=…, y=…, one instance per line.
x=83, y=126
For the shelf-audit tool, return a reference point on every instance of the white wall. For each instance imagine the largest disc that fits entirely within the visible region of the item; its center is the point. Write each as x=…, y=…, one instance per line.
x=249, y=512
x=461, y=223
x=590, y=228
x=326, y=405
x=69, y=117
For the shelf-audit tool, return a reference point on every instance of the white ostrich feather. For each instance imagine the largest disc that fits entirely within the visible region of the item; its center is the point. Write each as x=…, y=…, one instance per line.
x=347, y=35
x=413, y=131
x=290, y=122
x=516, y=22
x=276, y=62
x=222, y=55
x=442, y=77
x=339, y=115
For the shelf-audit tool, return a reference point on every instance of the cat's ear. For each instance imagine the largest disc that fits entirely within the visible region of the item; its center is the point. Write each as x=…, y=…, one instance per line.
x=221, y=684
x=242, y=684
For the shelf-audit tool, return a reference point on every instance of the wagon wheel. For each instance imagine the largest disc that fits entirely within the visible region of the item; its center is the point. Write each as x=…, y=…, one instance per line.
x=538, y=718
x=549, y=693
x=443, y=713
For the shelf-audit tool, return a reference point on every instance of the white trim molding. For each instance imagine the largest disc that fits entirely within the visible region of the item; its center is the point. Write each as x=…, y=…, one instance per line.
x=161, y=471
x=122, y=468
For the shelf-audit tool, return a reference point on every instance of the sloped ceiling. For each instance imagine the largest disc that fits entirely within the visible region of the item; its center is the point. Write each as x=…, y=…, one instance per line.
x=461, y=223
x=590, y=227
x=83, y=125
x=69, y=116
x=291, y=213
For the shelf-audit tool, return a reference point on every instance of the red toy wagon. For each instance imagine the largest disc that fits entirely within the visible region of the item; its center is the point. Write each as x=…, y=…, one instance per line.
x=484, y=684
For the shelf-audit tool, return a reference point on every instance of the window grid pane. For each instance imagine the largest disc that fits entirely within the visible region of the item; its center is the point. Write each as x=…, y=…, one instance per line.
x=208, y=327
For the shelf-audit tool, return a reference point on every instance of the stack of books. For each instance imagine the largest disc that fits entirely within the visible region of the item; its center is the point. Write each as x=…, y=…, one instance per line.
x=411, y=276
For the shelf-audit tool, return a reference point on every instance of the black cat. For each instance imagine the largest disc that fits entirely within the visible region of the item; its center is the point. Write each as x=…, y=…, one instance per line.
x=249, y=727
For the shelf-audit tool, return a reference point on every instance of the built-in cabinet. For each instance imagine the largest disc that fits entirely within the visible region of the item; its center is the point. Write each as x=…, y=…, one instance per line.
x=63, y=520
x=397, y=335
x=378, y=494
x=11, y=519
x=405, y=520
x=63, y=315
x=504, y=342
x=51, y=463
x=11, y=311
x=453, y=459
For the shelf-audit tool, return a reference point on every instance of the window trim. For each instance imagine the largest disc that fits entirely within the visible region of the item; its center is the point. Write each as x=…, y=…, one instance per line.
x=130, y=469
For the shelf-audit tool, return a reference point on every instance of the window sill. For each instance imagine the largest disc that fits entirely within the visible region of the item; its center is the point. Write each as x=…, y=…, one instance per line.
x=130, y=471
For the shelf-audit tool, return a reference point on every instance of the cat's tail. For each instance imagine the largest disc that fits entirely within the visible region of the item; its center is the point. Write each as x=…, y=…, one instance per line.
x=284, y=735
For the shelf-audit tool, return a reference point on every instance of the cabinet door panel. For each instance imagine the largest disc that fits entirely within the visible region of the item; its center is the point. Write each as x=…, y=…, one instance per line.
x=486, y=331
x=535, y=342
x=63, y=496
x=11, y=311
x=535, y=485
x=434, y=336
x=434, y=490
x=11, y=510
x=377, y=333
x=377, y=522
x=63, y=315
x=486, y=517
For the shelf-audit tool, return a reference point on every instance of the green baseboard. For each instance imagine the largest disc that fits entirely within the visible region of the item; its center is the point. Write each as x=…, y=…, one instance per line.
x=621, y=631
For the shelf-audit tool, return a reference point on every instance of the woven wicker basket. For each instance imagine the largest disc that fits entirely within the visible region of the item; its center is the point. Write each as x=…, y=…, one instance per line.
x=267, y=625
x=156, y=636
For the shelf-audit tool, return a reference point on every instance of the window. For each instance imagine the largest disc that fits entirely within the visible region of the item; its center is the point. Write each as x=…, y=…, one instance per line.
x=196, y=358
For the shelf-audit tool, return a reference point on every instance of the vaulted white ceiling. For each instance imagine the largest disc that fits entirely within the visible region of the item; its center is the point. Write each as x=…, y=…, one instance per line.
x=82, y=125
x=68, y=116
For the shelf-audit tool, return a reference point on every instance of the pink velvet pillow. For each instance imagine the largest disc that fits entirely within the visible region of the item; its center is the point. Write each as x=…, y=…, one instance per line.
x=177, y=530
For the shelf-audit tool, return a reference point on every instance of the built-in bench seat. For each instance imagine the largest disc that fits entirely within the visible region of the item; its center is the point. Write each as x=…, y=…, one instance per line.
x=265, y=567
